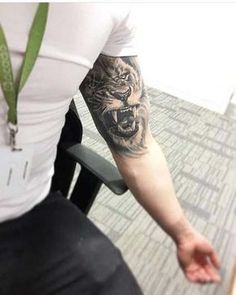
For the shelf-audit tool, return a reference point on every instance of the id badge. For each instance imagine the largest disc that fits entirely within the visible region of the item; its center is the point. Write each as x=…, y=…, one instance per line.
x=15, y=168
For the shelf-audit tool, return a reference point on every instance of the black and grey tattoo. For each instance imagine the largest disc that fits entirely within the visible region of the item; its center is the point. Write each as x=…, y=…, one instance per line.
x=117, y=100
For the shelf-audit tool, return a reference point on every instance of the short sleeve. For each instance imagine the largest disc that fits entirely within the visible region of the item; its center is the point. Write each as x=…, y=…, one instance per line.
x=122, y=40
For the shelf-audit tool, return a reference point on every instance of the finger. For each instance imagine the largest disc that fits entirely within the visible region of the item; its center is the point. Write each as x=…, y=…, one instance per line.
x=201, y=278
x=204, y=276
x=191, y=277
x=215, y=259
x=215, y=277
x=198, y=276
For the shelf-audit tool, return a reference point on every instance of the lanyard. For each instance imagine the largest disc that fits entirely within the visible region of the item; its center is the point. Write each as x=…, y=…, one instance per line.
x=10, y=88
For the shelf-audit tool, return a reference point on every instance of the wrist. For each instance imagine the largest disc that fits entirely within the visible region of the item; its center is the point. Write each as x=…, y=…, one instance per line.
x=182, y=231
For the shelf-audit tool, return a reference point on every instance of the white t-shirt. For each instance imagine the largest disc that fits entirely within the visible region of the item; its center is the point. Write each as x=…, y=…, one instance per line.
x=76, y=33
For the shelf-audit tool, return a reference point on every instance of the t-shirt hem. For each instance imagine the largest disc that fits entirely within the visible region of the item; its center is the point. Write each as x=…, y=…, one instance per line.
x=119, y=52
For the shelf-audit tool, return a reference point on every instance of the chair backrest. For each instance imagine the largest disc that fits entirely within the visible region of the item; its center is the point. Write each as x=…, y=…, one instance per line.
x=64, y=167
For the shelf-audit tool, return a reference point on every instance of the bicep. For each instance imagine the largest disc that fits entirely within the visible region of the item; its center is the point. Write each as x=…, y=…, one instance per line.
x=116, y=97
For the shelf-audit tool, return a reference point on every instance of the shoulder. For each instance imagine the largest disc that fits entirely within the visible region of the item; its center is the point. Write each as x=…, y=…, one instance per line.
x=122, y=39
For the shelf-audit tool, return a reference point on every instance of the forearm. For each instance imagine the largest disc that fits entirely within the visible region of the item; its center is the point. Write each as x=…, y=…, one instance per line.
x=149, y=180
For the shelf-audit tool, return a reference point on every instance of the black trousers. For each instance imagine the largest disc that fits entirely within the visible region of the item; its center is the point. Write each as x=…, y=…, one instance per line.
x=55, y=249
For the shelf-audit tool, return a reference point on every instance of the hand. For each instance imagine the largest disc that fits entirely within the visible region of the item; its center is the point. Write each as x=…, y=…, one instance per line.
x=198, y=259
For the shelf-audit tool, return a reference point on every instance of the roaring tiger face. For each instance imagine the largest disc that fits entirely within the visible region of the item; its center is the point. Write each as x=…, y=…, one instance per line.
x=117, y=97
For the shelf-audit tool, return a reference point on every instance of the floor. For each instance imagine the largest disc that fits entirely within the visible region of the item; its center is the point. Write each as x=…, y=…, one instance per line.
x=200, y=147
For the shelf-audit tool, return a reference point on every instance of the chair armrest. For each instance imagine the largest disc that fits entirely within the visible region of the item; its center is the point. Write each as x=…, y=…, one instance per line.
x=97, y=165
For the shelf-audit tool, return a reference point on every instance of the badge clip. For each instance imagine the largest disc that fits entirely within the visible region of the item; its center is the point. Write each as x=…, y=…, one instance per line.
x=13, y=129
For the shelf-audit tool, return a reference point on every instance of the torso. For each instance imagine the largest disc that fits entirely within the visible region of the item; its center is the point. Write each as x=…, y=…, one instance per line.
x=76, y=34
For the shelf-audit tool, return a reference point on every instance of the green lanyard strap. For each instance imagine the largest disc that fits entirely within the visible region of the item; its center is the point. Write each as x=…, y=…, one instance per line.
x=10, y=88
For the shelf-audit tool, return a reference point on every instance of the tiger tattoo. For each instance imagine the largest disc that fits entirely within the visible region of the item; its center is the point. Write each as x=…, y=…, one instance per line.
x=116, y=97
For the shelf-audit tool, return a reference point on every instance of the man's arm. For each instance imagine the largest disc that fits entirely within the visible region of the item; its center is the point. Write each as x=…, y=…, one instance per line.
x=116, y=97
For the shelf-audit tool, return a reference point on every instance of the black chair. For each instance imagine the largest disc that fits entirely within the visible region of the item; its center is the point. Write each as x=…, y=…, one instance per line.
x=95, y=170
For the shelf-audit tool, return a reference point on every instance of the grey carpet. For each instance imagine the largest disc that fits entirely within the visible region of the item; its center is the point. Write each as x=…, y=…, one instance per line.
x=200, y=147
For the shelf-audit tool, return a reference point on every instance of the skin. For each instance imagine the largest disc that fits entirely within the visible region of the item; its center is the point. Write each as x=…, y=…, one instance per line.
x=115, y=94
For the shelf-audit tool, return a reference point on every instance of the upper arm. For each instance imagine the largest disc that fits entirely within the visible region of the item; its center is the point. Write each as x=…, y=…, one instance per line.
x=116, y=97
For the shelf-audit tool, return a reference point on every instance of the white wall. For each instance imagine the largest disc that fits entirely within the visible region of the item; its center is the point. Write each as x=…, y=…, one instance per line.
x=189, y=50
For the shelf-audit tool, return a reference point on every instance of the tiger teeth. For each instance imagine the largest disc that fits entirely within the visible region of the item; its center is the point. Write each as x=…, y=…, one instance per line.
x=114, y=115
x=123, y=111
x=135, y=112
x=126, y=110
x=133, y=125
